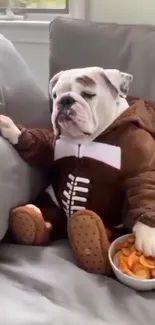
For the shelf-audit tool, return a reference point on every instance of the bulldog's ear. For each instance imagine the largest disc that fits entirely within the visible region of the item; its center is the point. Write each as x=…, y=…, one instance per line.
x=53, y=81
x=119, y=80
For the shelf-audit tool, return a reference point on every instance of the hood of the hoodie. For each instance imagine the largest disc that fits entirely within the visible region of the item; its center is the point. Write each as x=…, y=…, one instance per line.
x=140, y=113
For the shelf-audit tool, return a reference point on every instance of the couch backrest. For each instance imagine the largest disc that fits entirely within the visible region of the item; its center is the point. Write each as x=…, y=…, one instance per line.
x=77, y=43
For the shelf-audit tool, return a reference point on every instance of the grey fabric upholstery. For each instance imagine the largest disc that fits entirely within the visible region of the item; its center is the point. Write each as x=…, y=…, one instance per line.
x=23, y=100
x=43, y=286
x=78, y=43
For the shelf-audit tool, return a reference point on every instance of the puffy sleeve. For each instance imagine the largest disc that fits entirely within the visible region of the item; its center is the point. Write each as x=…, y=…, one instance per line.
x=36, y=146
x=138, y=167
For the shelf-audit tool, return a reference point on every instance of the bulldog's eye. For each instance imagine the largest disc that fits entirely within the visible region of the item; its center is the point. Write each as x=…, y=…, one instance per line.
x=87, y=95
x=54, y=95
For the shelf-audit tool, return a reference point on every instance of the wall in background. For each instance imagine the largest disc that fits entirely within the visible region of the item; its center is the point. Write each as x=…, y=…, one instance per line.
x=123, y=11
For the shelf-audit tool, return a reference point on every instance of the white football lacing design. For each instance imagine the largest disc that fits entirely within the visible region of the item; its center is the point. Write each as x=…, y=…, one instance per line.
x=74, y=186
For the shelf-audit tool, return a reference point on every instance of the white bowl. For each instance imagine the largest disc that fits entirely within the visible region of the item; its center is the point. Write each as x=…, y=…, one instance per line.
x=134, y=283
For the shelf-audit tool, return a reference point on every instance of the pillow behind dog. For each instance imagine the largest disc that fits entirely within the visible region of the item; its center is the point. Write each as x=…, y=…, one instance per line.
x=22, y=99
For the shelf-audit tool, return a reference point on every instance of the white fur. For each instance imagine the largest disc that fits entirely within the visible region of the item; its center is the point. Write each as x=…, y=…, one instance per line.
x=145, y=238
x=9, y=130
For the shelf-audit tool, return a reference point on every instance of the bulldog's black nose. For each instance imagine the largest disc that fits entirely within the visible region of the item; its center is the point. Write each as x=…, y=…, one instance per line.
x=66, y=102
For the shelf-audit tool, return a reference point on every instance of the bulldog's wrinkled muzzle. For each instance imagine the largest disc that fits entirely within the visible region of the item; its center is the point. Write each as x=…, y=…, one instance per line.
x=72, y=113
x=65, y=107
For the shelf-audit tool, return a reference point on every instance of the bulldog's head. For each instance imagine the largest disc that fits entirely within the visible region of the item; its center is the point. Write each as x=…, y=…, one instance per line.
x=86, y=101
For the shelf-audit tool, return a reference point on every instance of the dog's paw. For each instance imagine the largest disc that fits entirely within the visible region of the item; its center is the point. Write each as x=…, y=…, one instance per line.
x=145, y=239
x=9, y=130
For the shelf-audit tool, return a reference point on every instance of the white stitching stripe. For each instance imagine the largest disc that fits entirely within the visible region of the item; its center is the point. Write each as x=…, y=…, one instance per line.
x=65, y=204
x=82, y=180
x=81, y=189
x=66, y=194
x=75, y=194
x=71, y=177
x=79, y=198
x=76, y=208
x=69, y=186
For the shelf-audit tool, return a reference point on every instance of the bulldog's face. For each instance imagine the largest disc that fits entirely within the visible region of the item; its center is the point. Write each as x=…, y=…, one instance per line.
x=86, y=100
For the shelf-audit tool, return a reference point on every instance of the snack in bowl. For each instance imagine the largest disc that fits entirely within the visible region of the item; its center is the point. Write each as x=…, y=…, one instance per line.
x=133, y=262
x=130, y=266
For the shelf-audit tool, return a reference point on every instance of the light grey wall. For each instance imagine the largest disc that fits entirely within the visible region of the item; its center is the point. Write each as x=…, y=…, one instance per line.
x=123, y=11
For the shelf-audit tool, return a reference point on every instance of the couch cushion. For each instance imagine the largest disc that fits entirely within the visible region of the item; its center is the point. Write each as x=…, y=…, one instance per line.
x=77, y=43
x=43, y=286
x=21, y=98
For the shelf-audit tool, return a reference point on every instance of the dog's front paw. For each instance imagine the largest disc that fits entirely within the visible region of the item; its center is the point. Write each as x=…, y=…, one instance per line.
x=9, y=130
x=145, y=239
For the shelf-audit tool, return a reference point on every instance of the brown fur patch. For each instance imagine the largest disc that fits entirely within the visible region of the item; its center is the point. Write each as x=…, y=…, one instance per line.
x=86, y=81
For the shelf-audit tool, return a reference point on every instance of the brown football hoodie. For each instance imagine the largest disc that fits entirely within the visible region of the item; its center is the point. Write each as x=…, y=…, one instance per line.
x=82, y=179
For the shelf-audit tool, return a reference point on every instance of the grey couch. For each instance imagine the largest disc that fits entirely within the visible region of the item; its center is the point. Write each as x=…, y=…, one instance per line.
x=43, y=286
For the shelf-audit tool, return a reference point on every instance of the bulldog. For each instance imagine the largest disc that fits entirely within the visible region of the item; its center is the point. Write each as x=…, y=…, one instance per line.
x=101, y=155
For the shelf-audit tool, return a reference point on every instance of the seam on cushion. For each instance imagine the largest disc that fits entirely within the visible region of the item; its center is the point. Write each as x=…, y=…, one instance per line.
x=151, y=28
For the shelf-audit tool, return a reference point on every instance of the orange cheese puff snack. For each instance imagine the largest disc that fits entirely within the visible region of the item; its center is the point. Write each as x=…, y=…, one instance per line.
x=116, y=258
x=133, y=259
x=131, y=239
x=136, y=267
x=128, y=272
x=153, y=273
x=143, y=273
x=140, y=271
x=132, y=262
x=123, y=266
x=147, y=261
x=126, y=251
